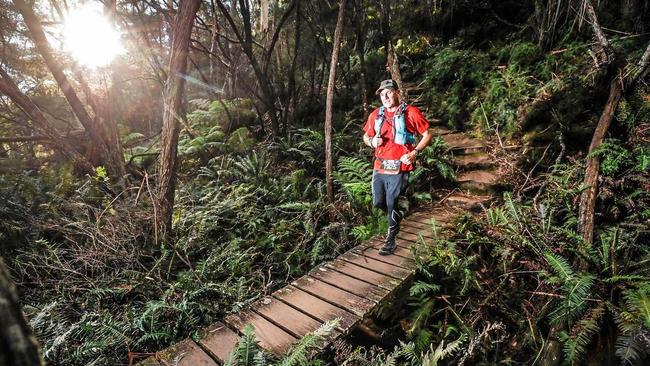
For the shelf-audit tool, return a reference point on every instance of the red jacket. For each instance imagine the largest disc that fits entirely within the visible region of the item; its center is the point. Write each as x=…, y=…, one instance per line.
x=389, y=150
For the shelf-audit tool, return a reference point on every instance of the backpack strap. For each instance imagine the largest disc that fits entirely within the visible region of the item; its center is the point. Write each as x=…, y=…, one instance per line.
x=379, y=121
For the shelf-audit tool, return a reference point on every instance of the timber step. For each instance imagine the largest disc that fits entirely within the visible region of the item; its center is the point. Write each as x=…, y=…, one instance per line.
x=469, y=202
x=480, y=181
x=461, y=143
x=477, y=160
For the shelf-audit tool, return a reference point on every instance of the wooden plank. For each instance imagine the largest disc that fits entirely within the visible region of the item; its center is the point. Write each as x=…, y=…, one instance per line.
x=271, y=337
x=377, y=266
x=184, y=353
x=413, y=238
x=441, y=219
x=377, y=242
x=403, y=248
x=319, y=309
x=396, y=260
x=350, y=284
x=381, y=280
x=334, y=295
x=424, y=226
x=295, y=322
x=426, y=233
x=218, y=340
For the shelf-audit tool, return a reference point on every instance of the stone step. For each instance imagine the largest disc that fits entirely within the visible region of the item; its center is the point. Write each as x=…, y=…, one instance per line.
x=469, y=202
x=463, y=144
x=479, y=160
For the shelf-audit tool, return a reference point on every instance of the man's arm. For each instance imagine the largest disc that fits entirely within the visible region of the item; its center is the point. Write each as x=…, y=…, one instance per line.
x=422, y=144
x=425, y=140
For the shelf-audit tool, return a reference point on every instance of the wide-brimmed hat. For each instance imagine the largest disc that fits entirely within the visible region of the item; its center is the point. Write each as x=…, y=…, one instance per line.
x=387, y=84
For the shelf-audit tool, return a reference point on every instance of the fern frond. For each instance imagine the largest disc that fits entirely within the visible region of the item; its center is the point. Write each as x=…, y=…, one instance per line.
x=421, y=288
x=582, y=333
x=246, y=350
x=299, y=353
x=560, y=266
x=631, y=349
x=576, y=291
x=432, y=357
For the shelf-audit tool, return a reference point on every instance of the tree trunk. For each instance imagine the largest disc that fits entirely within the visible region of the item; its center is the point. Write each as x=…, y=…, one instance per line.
x=292, y=93
x=395, y=74
x=330, y=100
x=18, y=346
x=588, y=196
x=392, y=62
x=109, y=158
x=361, y=52
x=173, y=99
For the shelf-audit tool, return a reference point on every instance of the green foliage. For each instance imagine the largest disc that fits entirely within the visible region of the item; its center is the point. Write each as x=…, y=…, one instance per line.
x=506, y=90
x=613, y=157
x=435, y=159
x=355, y=176
x=228, y=114
x=524, y=53
x=453, y=75
x=247, y=352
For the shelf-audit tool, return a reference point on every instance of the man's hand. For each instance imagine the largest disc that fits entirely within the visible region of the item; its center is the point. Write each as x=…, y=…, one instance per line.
x=376, y=142
x=406, y=159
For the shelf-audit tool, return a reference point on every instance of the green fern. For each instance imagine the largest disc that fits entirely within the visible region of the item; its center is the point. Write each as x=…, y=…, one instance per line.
x=247, y=350
x=300, y=352
x=421, y=288
x=574, y=303
x=432, y=357
x=355, y=176
x=581, y=335
x=632, y=349
x=560, y=266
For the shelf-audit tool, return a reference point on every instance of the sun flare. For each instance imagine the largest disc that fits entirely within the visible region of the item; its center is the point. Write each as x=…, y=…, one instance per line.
x=90, y=38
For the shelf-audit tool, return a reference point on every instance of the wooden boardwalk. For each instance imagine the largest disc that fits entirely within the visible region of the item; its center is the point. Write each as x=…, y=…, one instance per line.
x=347, y=288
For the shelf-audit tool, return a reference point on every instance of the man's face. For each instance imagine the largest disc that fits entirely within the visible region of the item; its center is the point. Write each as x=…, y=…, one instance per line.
x=389, y=98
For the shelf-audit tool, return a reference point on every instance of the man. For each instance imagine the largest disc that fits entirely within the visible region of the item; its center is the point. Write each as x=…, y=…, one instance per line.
x=391, y=131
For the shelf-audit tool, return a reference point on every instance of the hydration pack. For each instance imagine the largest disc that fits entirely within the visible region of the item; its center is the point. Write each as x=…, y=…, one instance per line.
x=401, y=135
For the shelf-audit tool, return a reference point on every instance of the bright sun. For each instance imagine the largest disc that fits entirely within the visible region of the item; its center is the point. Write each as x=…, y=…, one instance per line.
x=90, y=38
